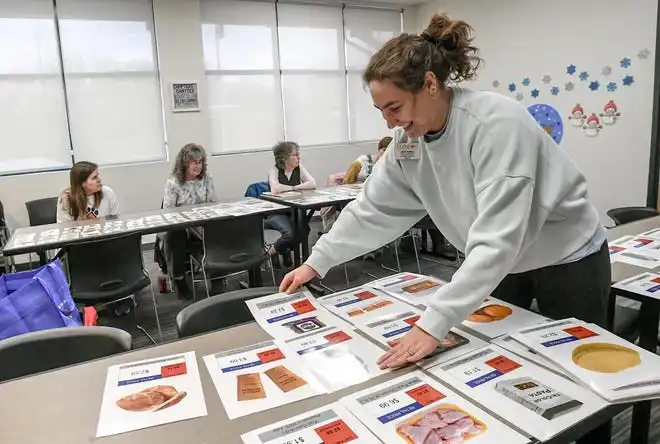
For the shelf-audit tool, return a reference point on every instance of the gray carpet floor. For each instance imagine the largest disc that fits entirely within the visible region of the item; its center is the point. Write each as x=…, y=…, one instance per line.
x=359, y=272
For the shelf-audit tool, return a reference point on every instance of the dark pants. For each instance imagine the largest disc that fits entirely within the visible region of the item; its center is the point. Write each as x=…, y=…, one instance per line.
x=282, y=223
x=178, y=245
x=578, y=289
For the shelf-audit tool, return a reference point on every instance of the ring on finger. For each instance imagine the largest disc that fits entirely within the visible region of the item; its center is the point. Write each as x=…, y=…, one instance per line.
x=411, y=352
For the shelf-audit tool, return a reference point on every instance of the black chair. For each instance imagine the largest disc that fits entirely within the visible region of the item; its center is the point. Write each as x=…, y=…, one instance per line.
x=626, y=215
x=6, y=263
x=109, y=270
x=42, y=212
x=50, y=349
x=230, y=246
x=219, y=311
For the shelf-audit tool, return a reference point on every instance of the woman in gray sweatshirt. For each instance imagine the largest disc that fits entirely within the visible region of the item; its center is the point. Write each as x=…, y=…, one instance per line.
x=491, y=179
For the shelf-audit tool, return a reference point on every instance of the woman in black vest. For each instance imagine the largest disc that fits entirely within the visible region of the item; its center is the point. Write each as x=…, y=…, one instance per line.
x=286, y=175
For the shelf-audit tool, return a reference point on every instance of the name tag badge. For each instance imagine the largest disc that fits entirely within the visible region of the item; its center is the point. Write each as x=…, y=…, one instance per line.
x=407, y=150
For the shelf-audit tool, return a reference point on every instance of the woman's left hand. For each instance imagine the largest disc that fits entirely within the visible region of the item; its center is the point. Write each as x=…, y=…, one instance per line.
x=415, y=345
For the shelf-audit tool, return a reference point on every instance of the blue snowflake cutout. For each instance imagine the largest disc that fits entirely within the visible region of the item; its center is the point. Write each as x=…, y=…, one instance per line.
x=570, y=69
x=584, y=75
x=628, y=80
x=535, y=93
x=554, y=91
x=512, y=87
x=625, y=62
x=526, y=81
x=611, y=87
x=594, y=85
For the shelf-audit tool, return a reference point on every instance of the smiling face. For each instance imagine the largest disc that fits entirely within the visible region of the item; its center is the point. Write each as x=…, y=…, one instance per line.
x=195, y=167
x=93, y=183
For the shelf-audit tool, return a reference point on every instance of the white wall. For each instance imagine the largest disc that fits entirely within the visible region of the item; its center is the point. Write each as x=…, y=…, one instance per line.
x=140, y=187
x=523, y=38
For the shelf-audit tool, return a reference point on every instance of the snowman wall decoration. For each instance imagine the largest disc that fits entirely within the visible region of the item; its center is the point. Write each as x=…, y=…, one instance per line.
x=577, y=116
x=610, y=114
x=593, y=126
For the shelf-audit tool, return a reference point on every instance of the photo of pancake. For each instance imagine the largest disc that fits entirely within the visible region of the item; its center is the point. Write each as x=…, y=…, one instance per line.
x=602, y=357
x=446, y=423
x=490, y=313
x=152, y=399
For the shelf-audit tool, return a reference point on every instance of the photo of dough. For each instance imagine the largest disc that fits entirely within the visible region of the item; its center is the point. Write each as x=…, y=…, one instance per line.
x=284, y=378
x=419, y=286
x=605, y=358
x=152, y=399
x=490, y=313
x=445, y=423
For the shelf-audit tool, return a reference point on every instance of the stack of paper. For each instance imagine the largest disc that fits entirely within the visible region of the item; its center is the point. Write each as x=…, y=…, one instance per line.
x=330, y=424
x=259, y=377
x=494, y=318
x=337, y=358
x=149, y=393
x=540, y=402
x=412, y=288
x=418, y=409
x=636, y=250
x=612, y=367
x=362, y=304
x=285, y=316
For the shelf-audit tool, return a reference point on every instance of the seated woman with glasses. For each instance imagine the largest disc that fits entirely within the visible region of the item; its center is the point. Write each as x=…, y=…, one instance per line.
x=287, y=174
x=189, y=184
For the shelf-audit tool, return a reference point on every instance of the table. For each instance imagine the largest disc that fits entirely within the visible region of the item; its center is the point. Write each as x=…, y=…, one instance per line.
x=311, y=200
x=649, y=316
x=53, y=236
x=62, y=406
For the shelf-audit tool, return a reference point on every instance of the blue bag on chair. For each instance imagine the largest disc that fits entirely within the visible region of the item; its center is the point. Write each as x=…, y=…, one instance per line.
x=36, y=300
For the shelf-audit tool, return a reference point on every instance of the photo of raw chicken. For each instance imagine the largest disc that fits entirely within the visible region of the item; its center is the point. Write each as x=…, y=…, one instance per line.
x=445, y=424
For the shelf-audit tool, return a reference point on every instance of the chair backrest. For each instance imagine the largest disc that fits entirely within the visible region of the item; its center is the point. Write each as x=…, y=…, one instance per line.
x=255, y=189
x=50, y=349
x=216, y=312
x=234, y=244
x=42, y=211
x=626, y=215
x=106, y=269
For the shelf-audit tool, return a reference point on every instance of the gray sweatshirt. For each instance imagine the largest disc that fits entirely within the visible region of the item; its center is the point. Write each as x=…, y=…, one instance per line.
x=495, y=184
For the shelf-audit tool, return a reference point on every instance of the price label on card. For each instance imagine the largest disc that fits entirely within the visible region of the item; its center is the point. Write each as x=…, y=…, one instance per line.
x=270, y=355
x=151, y=370
x=425, y=394
x=364, y=295
x=304, y=306
x=337, y=337
x=557, y=335
x=481, y=368
x=336, y=432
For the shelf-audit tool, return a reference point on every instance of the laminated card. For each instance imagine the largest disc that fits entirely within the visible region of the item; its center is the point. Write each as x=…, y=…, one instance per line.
x=285, y=316
x=330, y=424
x=614, y=368
x=638, y=251
x=151, y=392
x=412, y=288
x=646, y=284
x=418, y=409
x=259, y=377
x=494, y=318
x=362, y=304
x=538, y=401
x=520, y=349
x=337, y=358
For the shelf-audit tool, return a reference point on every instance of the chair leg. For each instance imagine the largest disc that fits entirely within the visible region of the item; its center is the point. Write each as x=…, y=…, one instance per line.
x=192, y=279
x=348, y=282
x=419, y=269
x=272, y=270
x=153, y=298
x=206, y=282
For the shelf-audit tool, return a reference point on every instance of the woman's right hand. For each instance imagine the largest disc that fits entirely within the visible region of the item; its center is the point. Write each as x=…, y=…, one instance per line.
x=296, y=278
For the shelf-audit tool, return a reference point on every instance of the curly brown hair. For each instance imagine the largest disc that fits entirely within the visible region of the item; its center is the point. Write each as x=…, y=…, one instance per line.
x=384, y=143
x=443, y=48
x=190, y=151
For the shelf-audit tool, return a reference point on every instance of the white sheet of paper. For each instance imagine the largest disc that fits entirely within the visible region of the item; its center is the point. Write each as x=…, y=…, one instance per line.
x=654, y=234
x=338, y=358
x=631, y=252
x=646, y=284
x=362, y=304
x=285, y=316
x=540, y=402
x=246, y=382
x=173, y=379
x=417, y=405
x=409, y=287
x=331, y=424
x=508, y=343
x=495, y=318
x=392, y=326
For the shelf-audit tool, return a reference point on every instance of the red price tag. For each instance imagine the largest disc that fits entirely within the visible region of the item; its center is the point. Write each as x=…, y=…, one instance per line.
x=173, y=370
x=337, y=337
x=304, y=306
x=270, y=355
x=425, y=394
x=363, y=295
x=408, y=277
x=503, y=364
x=412, y=320
x=656, y=280
x=580, y=332
x=337, y=432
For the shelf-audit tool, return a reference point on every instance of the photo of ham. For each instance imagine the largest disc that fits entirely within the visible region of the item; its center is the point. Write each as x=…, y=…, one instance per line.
x=445, y=424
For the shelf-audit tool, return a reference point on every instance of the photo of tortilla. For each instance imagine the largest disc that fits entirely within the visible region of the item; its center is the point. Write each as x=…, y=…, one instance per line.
x=419, y=286
x=446, y=423
x=605, y=358
x=490, y=313
x=152, y=399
